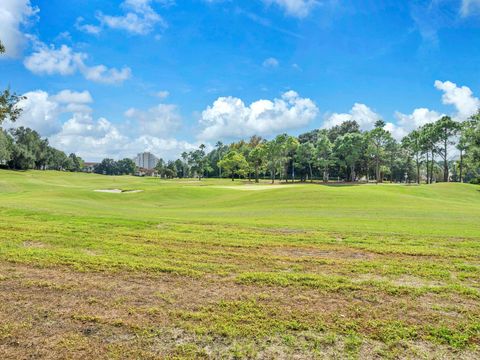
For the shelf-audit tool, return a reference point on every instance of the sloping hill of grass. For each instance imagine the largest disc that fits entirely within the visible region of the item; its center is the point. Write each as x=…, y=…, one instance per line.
x=189, y=269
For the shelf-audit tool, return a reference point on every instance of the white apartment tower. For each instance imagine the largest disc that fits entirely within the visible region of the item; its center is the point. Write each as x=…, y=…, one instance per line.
x=146, y=160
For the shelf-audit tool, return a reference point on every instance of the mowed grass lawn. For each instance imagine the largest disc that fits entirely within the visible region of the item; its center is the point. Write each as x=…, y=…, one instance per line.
x=215, y=269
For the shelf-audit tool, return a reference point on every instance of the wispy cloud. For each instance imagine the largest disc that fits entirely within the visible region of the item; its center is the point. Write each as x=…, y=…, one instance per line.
x=266, y=23
x=138, y=18
x=470, y=7
x=271, y=63
x=296, y=8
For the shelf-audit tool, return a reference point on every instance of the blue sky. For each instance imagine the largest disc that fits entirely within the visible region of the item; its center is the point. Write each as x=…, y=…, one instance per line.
x=112, y=78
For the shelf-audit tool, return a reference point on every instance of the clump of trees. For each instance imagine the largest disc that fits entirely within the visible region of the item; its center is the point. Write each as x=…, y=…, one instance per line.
x=445, y=150
x=170, y=169
x=23, y=148
x=111, y=167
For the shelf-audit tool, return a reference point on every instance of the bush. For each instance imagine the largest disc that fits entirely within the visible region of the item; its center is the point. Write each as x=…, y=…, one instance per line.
x=475, y=181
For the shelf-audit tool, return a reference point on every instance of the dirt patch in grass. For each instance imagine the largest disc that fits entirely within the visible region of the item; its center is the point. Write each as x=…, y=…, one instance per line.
x=35, y=244
x=321, y=253
x=415, y=282
x=92, y=252
x=282, y=231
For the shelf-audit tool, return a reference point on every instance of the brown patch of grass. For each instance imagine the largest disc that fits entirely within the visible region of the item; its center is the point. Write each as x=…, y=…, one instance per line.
x=34, y=244
x=136, y=315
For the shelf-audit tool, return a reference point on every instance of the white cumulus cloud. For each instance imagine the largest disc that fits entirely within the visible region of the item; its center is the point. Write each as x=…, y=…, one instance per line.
x=94, y=140
x=361, y=113
x=49, y=60
x=69, y=96
x=14, y=15
x=160, y=120
x=89, y=138
x=64, y=61
x=416, y=119
x=229, y=117
x=460, y=97
x=366, y=119
x=41, y=111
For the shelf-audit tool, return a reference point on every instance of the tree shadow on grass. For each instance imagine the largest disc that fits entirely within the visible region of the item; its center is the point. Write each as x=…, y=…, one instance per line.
x=332, y=184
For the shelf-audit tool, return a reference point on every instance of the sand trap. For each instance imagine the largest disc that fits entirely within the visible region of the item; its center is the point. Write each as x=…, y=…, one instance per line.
x=118, y=191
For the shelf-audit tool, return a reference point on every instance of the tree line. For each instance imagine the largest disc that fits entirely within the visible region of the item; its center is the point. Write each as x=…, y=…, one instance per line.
x=111, y=167
x=445, y=150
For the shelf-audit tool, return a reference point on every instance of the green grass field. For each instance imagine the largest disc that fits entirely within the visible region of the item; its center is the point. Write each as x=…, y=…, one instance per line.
x=215, y=269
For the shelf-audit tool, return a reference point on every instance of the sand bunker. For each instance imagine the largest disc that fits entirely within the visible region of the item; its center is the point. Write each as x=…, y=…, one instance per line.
x=118, y=191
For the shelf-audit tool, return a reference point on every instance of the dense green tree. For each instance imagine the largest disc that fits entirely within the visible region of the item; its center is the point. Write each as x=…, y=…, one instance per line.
x=179, y=169
x=77, y=162
x=170, y=170
x=305, y=157
x=234, y=163
x=324, y=155
x=257, y=159
x=106, y=167
x=309, y=137
x=471, y=132
x=347, y=127
x=5, y=147
x=348, y=148
x=21, y=157
x=27, y=146
x=125, y=167
x=58, y=160
x=274, y=155
x=289, y=145
x=198, y=161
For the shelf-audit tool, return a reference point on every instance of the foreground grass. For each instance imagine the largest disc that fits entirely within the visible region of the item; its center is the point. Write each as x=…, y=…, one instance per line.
x=189, y=269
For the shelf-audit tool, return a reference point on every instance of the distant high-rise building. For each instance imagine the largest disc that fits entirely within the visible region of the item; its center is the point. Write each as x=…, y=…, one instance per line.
x=146, y=160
